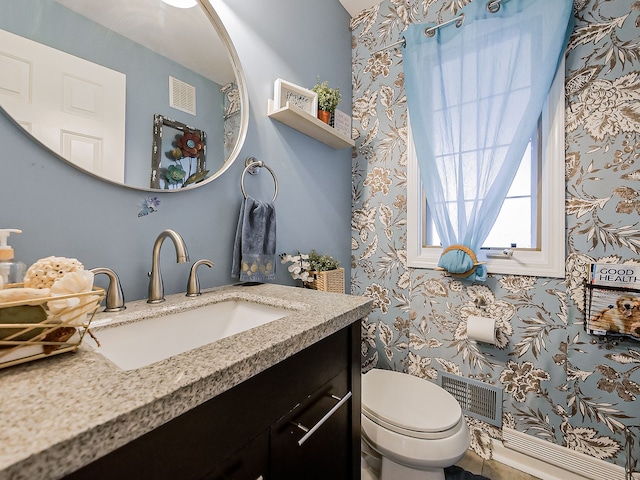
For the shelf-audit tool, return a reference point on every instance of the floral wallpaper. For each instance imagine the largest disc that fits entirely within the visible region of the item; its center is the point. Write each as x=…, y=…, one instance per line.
x=560, y=384
x=231, y=116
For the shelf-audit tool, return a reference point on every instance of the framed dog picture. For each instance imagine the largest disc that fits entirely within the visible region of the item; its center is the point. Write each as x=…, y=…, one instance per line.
x=612, y=301
x=297, y=96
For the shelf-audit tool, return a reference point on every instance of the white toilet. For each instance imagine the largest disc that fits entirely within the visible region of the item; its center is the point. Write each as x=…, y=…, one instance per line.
x=411, y=428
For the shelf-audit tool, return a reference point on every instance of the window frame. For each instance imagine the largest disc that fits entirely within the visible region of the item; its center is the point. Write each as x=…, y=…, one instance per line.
x=549, y=259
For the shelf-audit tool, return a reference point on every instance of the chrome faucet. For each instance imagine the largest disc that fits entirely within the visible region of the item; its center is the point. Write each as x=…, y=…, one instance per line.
x=193, y=285
x=156, y=289
x=115, y=298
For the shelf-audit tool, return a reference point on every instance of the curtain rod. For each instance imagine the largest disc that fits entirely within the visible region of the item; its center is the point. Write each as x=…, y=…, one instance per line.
x=402, y=42
x=493, y=6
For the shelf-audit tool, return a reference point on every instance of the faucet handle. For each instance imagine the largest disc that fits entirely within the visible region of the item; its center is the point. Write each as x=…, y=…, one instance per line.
x=115, y=297
x=193, y=285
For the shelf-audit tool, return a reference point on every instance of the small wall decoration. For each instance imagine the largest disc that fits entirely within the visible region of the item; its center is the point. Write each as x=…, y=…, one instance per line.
x=612, y=301
x=300, y=97
x=181, y=160
x=342, y=122
x=148, y=205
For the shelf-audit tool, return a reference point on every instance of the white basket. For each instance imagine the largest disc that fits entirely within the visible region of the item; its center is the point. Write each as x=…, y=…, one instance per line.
x=58, y=333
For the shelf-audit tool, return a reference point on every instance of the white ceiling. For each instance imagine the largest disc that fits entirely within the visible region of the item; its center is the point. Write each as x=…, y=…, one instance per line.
x=354, y=7
x=184, y=35
x=171, y=31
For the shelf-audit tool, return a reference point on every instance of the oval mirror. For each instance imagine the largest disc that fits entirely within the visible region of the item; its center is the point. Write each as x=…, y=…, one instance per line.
x=147, y=94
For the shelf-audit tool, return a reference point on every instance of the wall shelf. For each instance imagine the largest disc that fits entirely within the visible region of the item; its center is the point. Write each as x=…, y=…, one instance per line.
x=300, y=120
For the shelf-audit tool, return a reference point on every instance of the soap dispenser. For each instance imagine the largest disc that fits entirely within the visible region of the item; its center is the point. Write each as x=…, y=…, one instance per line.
x=12, y=271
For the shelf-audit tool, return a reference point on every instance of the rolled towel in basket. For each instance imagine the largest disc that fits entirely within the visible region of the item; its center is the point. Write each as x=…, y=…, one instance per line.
x=254, y=249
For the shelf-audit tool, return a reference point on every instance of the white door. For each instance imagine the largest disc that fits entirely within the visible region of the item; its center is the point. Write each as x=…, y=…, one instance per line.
x=73, y=106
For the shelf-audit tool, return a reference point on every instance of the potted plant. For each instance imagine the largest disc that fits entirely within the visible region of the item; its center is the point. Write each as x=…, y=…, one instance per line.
x=328, y=99
x=318, y=272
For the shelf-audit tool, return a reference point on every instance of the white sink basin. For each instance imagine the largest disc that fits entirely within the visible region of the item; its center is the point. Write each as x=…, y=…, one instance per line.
x=137, y=344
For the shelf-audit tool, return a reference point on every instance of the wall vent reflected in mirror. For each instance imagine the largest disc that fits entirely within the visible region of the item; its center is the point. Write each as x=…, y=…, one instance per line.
x=182, y=96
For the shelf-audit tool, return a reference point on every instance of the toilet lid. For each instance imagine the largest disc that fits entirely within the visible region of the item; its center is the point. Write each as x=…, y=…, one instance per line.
x=408, y=402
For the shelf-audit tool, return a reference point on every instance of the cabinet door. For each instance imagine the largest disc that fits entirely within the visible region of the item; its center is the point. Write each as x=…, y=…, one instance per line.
x=314, y=440
x=249, y=463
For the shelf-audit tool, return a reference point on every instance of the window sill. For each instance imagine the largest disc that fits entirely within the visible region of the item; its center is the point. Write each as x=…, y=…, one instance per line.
x=530, y=263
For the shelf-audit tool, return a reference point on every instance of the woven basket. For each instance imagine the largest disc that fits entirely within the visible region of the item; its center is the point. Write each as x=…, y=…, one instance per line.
x=60, y=332
x=329, y=281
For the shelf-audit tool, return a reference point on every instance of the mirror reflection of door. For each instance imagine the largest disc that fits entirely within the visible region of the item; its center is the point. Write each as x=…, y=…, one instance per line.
x=74, y=107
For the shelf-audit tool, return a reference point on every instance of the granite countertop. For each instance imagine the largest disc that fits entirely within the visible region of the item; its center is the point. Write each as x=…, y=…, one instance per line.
x=60, y=413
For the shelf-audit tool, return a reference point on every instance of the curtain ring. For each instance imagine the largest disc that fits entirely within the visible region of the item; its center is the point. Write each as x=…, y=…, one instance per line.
x=431, y=31
x=493, y=6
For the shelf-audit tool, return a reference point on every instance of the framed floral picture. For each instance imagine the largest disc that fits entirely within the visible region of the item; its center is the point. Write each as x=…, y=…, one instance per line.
x=178, y=155
x=300, y=97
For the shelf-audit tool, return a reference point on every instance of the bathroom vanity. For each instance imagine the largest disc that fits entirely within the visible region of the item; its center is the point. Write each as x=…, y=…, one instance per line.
x=252, y=430
x=279, y=401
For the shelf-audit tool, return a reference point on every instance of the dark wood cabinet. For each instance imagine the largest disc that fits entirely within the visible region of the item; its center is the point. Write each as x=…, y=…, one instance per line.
x=313, y=438
x=257, y=429
x=250, y=462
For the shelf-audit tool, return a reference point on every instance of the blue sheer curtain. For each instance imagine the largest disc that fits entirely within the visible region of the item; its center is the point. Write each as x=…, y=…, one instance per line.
x=475, y=90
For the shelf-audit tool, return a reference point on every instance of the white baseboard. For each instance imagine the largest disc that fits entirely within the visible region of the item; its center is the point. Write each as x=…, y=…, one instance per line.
x=549, y=461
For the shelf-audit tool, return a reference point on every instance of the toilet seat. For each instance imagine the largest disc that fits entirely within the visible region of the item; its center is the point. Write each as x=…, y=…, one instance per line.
x=409, y=405
x=418, y=453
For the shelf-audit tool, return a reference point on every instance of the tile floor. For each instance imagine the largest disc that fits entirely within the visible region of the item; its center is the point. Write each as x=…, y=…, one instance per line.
x=473, y=463
x=491, y=469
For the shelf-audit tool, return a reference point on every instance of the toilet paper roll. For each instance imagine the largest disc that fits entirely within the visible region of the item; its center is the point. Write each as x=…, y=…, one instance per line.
x=482, y=329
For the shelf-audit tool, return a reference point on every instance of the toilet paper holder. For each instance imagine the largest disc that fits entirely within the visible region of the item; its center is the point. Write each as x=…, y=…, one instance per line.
x=481, y=329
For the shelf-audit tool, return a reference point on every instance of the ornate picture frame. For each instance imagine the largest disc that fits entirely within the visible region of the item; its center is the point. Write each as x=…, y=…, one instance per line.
x=188, y=164
x=300, y=97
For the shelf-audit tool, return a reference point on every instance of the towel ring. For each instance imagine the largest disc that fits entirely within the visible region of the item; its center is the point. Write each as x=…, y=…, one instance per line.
x=252, y=166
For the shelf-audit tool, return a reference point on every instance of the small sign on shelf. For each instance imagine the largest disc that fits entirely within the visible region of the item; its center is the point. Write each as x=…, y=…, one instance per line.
x=297, y=96
x=342, y=123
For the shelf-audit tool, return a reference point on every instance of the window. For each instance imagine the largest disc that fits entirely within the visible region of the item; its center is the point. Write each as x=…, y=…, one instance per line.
x=532, y=216
x=515, y=226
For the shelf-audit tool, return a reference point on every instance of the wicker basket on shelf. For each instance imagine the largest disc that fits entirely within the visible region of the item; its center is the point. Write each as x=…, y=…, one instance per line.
x=65, y=320
x=329, y=281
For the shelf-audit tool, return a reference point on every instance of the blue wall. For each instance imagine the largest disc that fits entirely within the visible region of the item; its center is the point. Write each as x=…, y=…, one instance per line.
x=64, y=212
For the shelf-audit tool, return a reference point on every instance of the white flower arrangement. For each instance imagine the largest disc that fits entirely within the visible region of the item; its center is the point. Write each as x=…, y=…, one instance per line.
x=304, y=265
x=300, y=266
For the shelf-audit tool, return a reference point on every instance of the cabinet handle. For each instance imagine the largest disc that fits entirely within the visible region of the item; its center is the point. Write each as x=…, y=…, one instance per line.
x=311, y=431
